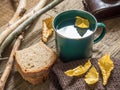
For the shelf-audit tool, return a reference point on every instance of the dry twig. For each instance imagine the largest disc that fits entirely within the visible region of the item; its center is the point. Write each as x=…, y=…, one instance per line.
x=4, y=58
x=5, y=33
x=9, y=64
x=21, y=27
x=19, y=12
x=14, y=4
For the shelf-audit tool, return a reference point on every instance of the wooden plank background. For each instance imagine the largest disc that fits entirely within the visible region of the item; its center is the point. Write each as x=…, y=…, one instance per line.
x=109, y=44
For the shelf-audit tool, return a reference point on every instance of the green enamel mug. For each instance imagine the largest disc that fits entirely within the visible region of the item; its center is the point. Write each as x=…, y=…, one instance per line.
x=73, y=43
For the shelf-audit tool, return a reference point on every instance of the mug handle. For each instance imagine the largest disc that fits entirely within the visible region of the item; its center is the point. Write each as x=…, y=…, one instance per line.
x=99, y=38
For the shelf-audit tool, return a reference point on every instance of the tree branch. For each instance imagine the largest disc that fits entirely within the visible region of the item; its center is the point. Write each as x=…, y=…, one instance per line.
x=5, y=33
x=5, y=58
x=22, y=26
x=14, y=4
x=9, y=64
x=19, y=12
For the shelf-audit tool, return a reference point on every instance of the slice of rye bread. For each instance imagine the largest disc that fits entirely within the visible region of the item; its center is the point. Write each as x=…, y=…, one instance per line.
x=35, y=61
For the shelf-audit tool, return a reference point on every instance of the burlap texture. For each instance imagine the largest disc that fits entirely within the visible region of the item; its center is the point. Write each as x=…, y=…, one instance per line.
x=59, y=81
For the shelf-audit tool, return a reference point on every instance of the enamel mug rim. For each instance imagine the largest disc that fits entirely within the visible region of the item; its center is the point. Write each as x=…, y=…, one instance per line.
x=59, y=14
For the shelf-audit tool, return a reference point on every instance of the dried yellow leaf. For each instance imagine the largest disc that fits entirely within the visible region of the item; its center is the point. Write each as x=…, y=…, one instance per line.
x=79, y=70
x=47, y=29
x=69, y=73
x=81, y=22
x=92, y=76
x=106, y=66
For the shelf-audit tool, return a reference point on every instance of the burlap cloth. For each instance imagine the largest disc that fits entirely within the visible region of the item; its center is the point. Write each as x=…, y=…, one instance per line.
x=59, y=81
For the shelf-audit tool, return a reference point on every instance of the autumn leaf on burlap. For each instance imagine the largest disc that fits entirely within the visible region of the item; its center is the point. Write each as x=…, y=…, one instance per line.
x=92, y=76
x=47, y=29
x=106, y=66
x=79, y=70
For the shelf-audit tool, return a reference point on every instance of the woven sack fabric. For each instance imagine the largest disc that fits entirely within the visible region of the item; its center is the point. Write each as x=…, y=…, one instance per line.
x=59, y=81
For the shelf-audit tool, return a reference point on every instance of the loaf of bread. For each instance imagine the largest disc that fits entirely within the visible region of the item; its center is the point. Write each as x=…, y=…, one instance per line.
x=34, y=62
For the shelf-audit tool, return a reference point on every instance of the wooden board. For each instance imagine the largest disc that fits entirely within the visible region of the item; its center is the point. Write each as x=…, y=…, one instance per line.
x=109, y=44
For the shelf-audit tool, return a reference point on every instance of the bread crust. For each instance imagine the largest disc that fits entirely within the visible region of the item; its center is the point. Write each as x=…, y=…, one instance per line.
x=34, y=79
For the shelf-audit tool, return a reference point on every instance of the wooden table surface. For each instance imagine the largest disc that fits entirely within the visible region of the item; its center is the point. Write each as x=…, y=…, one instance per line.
x=109, y=44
